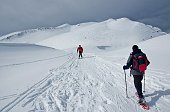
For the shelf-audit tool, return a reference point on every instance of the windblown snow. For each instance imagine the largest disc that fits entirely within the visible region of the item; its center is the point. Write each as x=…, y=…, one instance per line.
x=35, y=77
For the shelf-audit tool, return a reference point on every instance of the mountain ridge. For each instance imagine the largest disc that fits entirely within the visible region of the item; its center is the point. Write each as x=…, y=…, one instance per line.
x=105, y=33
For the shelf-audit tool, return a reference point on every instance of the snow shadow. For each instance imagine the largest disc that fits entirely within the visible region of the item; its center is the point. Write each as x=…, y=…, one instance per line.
x=156, y=95
x=103, y=47
x=89, y=56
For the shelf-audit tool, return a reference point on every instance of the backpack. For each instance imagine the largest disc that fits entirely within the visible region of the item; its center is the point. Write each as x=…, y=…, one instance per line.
x=140, y=62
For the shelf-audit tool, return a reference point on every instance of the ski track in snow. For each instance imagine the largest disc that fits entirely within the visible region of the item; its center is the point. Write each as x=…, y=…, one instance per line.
x=90, y=85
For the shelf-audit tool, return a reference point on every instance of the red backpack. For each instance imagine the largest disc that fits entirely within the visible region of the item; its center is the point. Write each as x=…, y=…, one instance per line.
x=140, y=62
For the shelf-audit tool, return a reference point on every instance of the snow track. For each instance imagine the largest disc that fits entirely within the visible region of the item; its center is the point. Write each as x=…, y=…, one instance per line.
x=81, y=86
x=85, y=85
x=44, y=83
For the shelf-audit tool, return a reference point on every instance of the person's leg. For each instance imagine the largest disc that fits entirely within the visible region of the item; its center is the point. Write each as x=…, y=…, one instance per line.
x=138, y=84
x=81, y=55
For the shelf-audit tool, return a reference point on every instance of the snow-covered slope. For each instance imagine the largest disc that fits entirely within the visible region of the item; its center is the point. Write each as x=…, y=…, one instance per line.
x=36, y=35
x=99, y=34
x=41, y=79
x=24, y=64
x=107, y=33
x=157, y=75
x=95, y=83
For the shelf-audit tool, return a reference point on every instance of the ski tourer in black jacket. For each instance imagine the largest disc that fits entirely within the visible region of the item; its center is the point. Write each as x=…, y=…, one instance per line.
x=130, y=62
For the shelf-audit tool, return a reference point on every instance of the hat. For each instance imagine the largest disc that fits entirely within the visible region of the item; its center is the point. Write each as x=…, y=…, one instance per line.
x=135, y=47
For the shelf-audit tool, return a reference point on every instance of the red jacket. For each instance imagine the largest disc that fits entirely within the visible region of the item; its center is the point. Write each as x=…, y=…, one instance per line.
x=79, y=49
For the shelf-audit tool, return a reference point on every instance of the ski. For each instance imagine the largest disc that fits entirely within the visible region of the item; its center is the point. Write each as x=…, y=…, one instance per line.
x=143, y=105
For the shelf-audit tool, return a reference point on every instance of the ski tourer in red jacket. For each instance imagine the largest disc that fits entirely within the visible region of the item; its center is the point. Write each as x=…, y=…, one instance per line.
x=80, y=51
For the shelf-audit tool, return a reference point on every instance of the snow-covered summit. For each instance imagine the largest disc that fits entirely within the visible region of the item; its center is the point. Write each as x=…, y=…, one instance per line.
x=112, y=32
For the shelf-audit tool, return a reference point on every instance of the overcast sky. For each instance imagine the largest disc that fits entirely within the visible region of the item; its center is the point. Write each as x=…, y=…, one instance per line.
x=16, y=15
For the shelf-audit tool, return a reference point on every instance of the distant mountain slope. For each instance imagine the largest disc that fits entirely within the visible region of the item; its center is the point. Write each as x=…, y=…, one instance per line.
x=34, y=35
x=39, y=34
x=114, y=33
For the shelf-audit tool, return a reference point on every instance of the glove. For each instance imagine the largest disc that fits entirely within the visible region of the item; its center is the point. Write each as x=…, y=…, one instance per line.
x=125, y=67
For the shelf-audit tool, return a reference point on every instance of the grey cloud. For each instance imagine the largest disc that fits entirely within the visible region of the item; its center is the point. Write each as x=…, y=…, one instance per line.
x=25, y=14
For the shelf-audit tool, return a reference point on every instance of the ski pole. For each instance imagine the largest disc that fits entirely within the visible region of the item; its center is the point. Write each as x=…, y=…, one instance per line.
x=144, y=84
x=126, y=84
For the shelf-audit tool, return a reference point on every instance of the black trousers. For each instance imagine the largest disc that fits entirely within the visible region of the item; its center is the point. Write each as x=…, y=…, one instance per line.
x=138, y=84
x=80, y=54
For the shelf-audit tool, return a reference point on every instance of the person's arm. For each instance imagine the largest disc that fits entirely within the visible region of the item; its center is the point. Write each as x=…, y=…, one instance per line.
x=129, y=62
x=77, y=50
x=82, y=50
